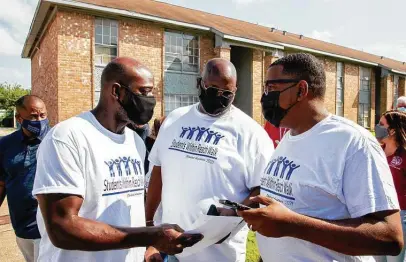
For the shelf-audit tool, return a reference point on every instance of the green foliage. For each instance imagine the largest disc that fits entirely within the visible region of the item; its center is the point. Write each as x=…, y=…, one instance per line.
x=252, y=248
x=9, y=93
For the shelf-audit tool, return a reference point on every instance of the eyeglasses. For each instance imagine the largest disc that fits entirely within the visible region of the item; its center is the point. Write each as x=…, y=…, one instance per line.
x=269, y=83
x=214, y=91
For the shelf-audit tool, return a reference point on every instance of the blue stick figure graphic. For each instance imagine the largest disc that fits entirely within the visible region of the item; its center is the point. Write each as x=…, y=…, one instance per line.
x=110, y=164
x=293, y=167
x=210, y=134
x=139, y=167
x=217, y=140
x=280, y=161
x=126, y=161
x=191, y=133
x=201, y=132
x=286, y=164
x=134, y=163
x=184, y=130
x=118, y=166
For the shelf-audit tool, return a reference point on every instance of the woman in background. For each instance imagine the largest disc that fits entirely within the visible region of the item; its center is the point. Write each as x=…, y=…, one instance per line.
x=391, y=133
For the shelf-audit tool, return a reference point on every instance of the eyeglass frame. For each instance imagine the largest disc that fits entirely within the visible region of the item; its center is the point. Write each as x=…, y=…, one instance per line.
x=279, y=81
x=220, y=92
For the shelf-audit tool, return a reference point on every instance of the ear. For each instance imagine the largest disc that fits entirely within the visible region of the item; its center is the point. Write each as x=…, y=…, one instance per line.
x=115, y=91
x=19, y=119
x=392, y=132
x=303, y=90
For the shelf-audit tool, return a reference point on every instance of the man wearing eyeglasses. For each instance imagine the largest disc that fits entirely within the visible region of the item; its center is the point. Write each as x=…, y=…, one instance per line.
x=206, y=152
x=337, y=201
x=90, y=178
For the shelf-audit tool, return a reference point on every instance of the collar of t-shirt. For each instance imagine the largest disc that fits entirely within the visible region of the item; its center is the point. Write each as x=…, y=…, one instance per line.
x=211, y=118
x=118, y=138
x=308, y=132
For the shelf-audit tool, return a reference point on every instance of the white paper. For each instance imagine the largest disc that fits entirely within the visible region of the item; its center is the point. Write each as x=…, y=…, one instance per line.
x=214, y=229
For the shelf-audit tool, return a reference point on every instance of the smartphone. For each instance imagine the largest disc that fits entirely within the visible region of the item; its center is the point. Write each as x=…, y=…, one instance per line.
x=234, y=205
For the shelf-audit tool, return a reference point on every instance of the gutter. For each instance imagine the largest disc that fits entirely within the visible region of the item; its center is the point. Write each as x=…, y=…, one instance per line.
x=327, y=54
x=398, y=72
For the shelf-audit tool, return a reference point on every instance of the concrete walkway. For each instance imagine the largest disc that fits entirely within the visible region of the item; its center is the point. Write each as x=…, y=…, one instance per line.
x=9, y=251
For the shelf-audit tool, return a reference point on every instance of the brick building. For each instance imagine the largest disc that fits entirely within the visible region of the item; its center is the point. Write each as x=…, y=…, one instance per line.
x=70, y=42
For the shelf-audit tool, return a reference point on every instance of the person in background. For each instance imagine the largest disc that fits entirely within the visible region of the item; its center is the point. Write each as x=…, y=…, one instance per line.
x=207, y=151
x=275, y=133
x=18, y=161
x=391, y=133
x=142, y=130
x=90, y=178
x=401, y=104
x=149, y=143
x=327, y=192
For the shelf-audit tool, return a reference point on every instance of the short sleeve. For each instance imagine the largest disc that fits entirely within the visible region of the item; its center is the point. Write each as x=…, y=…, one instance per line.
x=58, y=169
x=264, y=150
x=368, y=183
x=154, y=157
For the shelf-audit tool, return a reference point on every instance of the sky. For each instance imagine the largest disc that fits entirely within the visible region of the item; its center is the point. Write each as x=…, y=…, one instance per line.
x=374, y=26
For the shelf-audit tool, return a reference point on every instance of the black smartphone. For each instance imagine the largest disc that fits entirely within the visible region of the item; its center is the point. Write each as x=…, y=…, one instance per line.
x=213, y=211
x=234, y=205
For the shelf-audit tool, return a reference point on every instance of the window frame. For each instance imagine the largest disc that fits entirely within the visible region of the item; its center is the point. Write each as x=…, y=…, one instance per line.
x=182, y=55
x=100, y=56
x=340, y=79
x=361, y=113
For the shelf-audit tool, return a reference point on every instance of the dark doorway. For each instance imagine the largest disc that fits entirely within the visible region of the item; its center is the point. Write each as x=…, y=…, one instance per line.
x=241, y=57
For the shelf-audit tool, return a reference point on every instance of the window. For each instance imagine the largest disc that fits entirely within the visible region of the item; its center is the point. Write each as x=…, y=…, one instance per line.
x=181, y=70
x=340, y=90
x=364, y=103
x=181, y=52
x=173, y=101
x=395, y=91
x=105, y=49
x=105, y=40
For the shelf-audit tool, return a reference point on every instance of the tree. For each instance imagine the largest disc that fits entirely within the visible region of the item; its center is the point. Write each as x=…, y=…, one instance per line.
x=9, y=93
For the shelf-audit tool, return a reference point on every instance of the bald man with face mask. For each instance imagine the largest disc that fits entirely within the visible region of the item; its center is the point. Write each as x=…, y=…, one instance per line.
x=206, y=152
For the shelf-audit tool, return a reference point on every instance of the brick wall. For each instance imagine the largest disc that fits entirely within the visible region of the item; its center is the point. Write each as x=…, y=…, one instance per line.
x=222, y=52
x=206, y=50
x=44, y=71
x=75, y=59
x=351, y=91
x=145, y=41
x=257, y=82
x=330, y=67
x=402, y=91
x=386, y=93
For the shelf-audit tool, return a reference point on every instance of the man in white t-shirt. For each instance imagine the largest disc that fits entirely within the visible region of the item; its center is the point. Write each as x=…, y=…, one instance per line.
x=206, y=152
x=328, y=190
x=90, y=178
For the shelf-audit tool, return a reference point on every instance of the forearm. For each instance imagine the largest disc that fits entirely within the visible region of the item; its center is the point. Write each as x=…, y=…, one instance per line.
x=356, y=237
x=78, y=233
x=154, y=195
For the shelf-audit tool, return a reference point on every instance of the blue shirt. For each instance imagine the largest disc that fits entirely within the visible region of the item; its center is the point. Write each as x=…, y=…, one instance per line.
x=18, y=163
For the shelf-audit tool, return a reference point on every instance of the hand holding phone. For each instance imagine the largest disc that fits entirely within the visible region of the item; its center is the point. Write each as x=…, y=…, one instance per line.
x=234, y=205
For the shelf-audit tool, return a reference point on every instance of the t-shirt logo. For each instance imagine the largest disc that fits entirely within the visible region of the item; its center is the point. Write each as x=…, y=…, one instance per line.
x=197, y=141
x=396, y=161
x=276, y=178
x=125, y=176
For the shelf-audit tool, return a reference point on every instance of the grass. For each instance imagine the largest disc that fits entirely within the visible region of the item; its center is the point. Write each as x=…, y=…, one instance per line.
x=252, y=248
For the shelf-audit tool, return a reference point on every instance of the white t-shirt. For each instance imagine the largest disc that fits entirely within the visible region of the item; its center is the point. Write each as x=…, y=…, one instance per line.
x=80, y=157
x=204, y=159
x=336, y=170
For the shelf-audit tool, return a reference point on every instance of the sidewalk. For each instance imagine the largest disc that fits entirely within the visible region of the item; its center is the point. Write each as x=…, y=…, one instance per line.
x=9, y=251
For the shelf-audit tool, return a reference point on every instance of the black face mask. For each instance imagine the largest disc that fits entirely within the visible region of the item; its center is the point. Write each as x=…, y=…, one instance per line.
x=139, y=108
x=271, y=109
x=213, y=100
